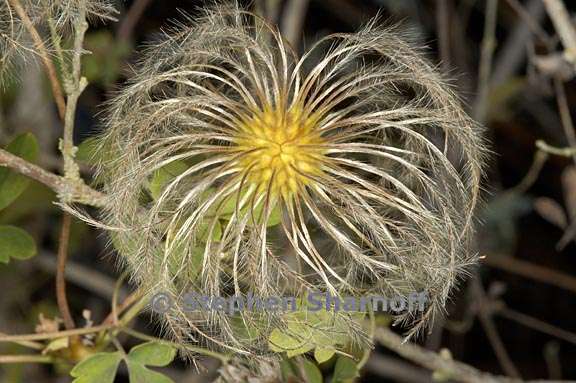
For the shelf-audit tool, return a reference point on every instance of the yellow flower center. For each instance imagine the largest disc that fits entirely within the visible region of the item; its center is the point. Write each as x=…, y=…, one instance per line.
x=282, y=150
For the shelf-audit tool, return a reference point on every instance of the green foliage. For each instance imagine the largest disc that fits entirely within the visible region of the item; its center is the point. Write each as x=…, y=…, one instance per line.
x=104, y=65
x=162, y=177
x=311, y=371
x=88, y=151
x=307, y=331
x=149, y=354
x=15, y=243
x=101, y=367
x=11, y=183
x=36, y=199
x=152, y=354
x=323, y=354
x=345, y=370
x=98, y=368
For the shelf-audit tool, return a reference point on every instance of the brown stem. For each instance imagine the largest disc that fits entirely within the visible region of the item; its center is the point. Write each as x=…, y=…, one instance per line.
x=564, y=110
x=563, y=24
x=485, y=315
x=532, y=271
x=457, y=371
x=60, y=273
x=12, y=359
x=53, y=335
x=113, y=316
x=443, y=27
x=70, y=191
x=129, y=22
x=486, y=55
x=44, y=55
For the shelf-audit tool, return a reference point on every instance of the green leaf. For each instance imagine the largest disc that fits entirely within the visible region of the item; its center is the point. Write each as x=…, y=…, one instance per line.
x=57, y=344
x=138, y=373
x=311, y=371
x=15, y=243
x=288, y=370
x=12, y=184
x=104, y=65
x=88, y=151
x=323, y=354
x=98, y=368
x=149, y=354
x=282, y=342
x=345, y=370
x=162, y=177
x=228, y=208
x=152, y=354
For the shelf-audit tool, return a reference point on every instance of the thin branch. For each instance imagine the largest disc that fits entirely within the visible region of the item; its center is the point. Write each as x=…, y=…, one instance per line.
x=44, y=55
x=530, y=21
x=78, y=274
x=537, y=324
x=67, y=190
x=487, y=53
x=293, y=21
x=485, y=316
x=12, y=359
x=74, y=89
x=563, y=24
x=131, y=19
x=540, y=158
x=563, y=152
x=60, y=272
x=443, y=27
x=111, y=319
x=532, y=271
x=457, y=371
x=54, y=335
x=29, y=344
x=564, y=110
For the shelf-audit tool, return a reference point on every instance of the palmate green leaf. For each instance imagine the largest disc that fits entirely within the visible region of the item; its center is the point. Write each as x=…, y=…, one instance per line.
x=138, y=373
x=11, y=183
x=15, y=243
x=98, y=368
x=149, y=354
x=101, y=367
x=309, y=330
x=152, y=354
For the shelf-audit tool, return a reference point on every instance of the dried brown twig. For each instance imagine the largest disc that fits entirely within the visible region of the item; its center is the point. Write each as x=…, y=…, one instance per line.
x=455, y=370
x=563, y=24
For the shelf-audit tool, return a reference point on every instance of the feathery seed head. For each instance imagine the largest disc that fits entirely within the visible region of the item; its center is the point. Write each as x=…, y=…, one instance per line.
x=235, y=166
